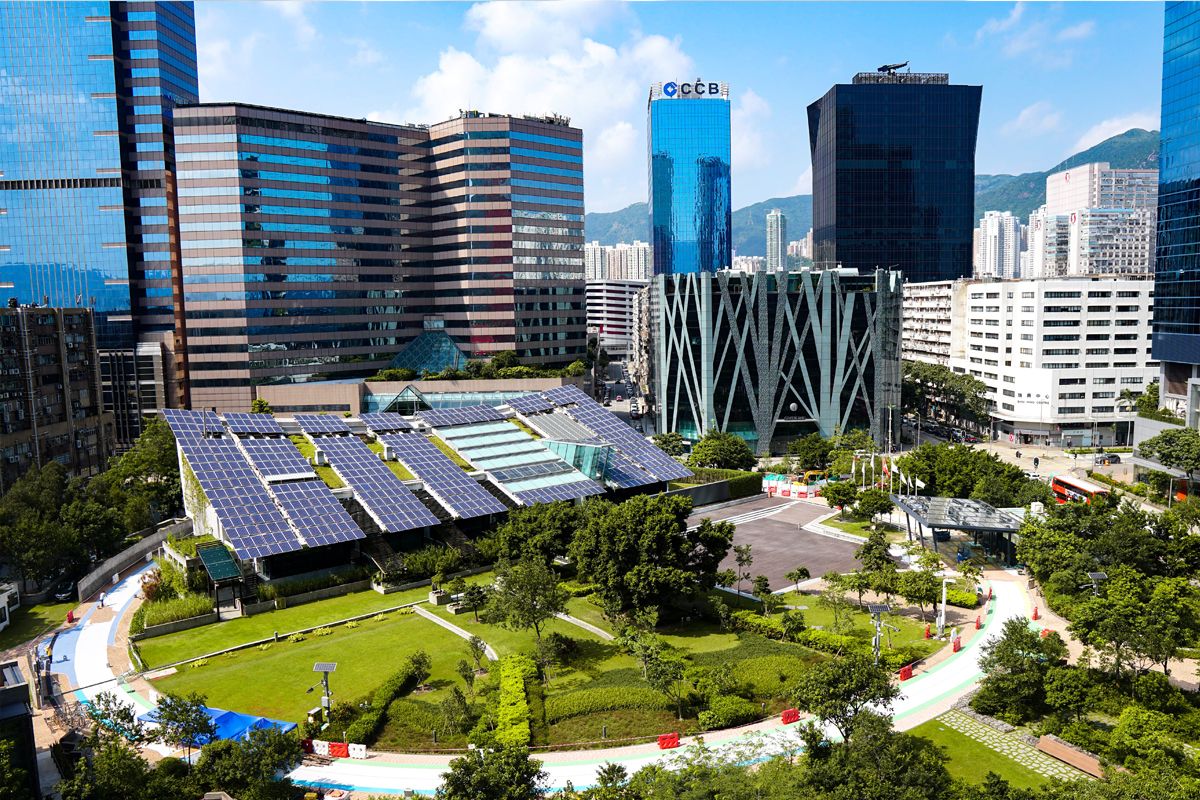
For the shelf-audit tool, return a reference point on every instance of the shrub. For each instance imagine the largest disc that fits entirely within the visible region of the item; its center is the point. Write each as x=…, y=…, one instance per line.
x=512, y=712
x=753, y=622
x=560, y=647
x=265, y=646
x=161, y=612
x=296, y=638
x=289, y=587
x=726, y=711
x=367, y=727
x=199, y=662
x=576, y=589
x=322, y=631
x=612, y=698
x=828, y=641
x=430, y=560
x=962, y=599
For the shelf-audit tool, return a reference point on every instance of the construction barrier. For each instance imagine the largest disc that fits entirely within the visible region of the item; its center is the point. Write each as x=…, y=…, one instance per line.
x=358, y=751
x=978, y=621
x=306, y=745
x=668, y=741
x=927, y=630
x=957, y=644
x=1035, y=613
x=789, y=716
x=989, y=593
x=906, y=672
x=70, y=617
x=1045, y=632
x=339, y=750
x=320, y=748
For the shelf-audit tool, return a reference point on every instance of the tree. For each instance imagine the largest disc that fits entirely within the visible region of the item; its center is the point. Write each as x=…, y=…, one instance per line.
x=474, y=597
x=183, y=721
x=873, y=503
x=114, y=722
x=664, y=672
x=1177, y=447
x=643, y=645
x=936, y=391
x=507, y=773
x=873, y=554
x=860, y=582
x=14, y=780
x=770, y=603
x=542, y=529
x=919, y=587
x=260, y=406
x=478, y=649
x=798, y=575
x=527, y=595
x=1015, y=667
x=761, y=585
x=399, y=374
x=642, y=553
x=839, y=691
x=467, y=673
x=1068, y=691
x=247, y=768
x=840, y=494
x=810, y=452
x=1147, y=401
x=719, y=450
x=793, y=623
x=743, y=556
x=833, y=597
x=671, y=443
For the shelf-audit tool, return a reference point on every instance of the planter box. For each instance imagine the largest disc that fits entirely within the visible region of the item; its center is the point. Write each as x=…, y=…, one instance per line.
x=457, y=608
x=439, y=598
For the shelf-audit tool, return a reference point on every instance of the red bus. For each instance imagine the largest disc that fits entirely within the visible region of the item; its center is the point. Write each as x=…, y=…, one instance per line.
x=1067, y=489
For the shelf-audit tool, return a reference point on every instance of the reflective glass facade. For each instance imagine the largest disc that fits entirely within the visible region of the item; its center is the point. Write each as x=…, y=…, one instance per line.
x=691, y=213
x=1177, y=263
x=893, y=176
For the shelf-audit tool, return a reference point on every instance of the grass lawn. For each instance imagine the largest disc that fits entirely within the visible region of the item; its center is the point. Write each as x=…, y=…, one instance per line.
x=507, y=641
x=894, y=532
x=273, y=682
x=630, y=723
x=308, y=450
x=210, y=638
x=450, y=454
x=911, y=633
x=971, y=760
x=30, y=622
x=395, y=466
x=580, y=608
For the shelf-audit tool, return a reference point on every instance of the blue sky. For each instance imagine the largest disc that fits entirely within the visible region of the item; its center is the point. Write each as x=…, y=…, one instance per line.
x=1056, y=77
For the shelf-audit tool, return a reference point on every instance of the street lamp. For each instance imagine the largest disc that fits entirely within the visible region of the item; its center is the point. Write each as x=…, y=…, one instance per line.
x=324, y=667
x=877, y=610
x=1096, y=579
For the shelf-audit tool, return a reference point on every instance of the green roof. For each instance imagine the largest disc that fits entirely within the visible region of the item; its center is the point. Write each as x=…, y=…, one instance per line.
x=218, y=562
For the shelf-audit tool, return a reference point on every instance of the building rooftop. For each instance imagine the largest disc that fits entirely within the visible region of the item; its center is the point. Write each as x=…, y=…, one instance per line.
x=925, y=78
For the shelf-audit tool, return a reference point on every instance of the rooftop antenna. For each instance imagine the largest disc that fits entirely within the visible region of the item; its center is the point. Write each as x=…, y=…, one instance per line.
x=890, y=69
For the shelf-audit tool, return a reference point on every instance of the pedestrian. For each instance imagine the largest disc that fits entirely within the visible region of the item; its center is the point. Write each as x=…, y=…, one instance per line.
x=102, y=600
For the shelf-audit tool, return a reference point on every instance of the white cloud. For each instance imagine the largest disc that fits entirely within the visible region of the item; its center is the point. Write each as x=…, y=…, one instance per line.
x=1081, y=31
x=1000, y=25
x=746, y=135
x=538, y=58
x=223, y=61
x=1041, y=117
x=803, y=184
x=365, y=53
x=1111, y=127
x=297, y=15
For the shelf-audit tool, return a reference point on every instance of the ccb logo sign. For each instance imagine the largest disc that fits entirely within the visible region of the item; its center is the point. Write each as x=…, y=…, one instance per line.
x=697, y=89
x=670, y=89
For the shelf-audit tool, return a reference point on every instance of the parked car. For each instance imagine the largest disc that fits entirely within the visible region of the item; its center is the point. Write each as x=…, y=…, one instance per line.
x=1105, y=459
x=65, y=591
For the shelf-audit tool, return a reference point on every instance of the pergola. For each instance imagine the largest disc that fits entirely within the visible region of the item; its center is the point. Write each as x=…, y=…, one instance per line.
x=940, y=515
x=221, y=568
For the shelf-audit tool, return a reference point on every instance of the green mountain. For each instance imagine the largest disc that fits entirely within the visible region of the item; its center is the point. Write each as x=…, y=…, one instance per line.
x=1019, y=194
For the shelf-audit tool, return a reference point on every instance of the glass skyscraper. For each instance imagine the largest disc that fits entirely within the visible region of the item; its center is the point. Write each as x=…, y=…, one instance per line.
x=1177, y=253
x=893, y=158
x=691, y=212
x=87, y=91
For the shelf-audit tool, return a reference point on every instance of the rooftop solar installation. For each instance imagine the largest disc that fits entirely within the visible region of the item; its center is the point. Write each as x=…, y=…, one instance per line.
x=623, y=473
x=251, y=521
x=566, y=491
x=192, y=424
x=458, y=492
x=321, y=424
x=217, y=561
x=389, y=502
x=263, y=424
x=564, y=395
x=530, y=404
x=316, y=513
x=385, y=422
x=444, y=417
x=562, y=428
x=277, y=459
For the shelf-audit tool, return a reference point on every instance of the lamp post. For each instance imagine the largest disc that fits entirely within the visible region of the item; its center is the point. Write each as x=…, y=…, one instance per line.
x=941, y=617
x=324, y=667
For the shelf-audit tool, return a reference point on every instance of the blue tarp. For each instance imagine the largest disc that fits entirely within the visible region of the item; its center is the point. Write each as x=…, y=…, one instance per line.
x=231, y=724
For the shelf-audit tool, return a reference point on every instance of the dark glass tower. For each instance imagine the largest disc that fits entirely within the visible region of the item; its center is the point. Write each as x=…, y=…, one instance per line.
x=893, y=159
x=691, y=212
x=1177, y=252
x=85, y=172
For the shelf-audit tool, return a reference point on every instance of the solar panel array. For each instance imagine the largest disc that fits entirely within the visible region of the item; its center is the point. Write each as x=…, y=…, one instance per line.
x=321, y=424
x=530, y=404
x=277, y=459
x=443, y=417
x=620, y=470
x=389, y=502
x=263, y=424
x=191, y=425
x=316, y=513
x=385, y=422
x=610, y=428
x=562, y=428
x=249, y=517
x=516, y=461
x=458, y=492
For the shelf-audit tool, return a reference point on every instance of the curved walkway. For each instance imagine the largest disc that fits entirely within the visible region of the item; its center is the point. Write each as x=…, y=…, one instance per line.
x=83, y=656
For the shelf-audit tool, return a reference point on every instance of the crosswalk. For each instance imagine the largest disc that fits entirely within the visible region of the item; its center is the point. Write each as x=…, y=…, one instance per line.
x=752, y=516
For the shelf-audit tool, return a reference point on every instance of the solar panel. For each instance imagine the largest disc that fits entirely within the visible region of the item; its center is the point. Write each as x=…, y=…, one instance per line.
x=389, y=502
x=277, y=459
x=441, y=417
x=264, y=424
x=385, y=422
x=459, y=493
x=321, y=424
x=563, y=491
x=565, y=395
x=561, y=427
x=316, y=513
x=190, y=425
x=251, y=521
x=530, y=404
x=623, y=473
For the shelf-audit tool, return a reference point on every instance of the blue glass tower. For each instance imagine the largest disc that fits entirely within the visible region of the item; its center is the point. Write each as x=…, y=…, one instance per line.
x=691, y=212
x=86, y=168
x=893, y=158
x=1177, y=252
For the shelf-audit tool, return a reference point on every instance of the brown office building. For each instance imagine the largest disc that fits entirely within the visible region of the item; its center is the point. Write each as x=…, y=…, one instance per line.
x=50, y=393
x=320, y=248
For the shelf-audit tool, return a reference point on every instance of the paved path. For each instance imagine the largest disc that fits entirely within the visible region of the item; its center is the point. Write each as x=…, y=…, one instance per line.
x=587, y=626
x=1011, y=745
x=457, y=631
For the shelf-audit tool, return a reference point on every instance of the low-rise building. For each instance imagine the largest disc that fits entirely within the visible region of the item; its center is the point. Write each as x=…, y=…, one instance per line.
x=610, y=305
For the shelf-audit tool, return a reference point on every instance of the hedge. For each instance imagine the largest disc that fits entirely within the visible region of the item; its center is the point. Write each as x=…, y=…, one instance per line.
x=726, y=711
x=741, y=484
x=290, y=587
x=754, y=622
x=770, y=627
x=961, y=598
x=364, y=729
x=160, y=612
x=593, y=701
x=512, y=712
x=575, y=589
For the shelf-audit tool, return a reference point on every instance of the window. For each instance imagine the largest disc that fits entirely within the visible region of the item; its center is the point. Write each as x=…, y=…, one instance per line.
x=1131, y=381
x=1026, y=351
x=1060, y=337
x=1062, y=295
x=1097, y=337
x=1071, y=395
x=1125, y=337
x=1027, y=295
x=1102, y=409
x=1026, y=309
x=1071, y=381
x=1064, y=323
x=1062, y=309
x=1127, y=294
x=1104, y=381
x=1062, y=365
x=1099, y=309
x=1070, y=409
x=1097, y=351
x=1097, y=365
x=1026, y=337
x=1126, y=309
x=1009, y=393
x=1099, y=294
x=1060, y=351
x=1125, y=351
x=1130, y=364
x=1007, y=406
x=1098, y=323
x=1124, y=323
x=1103, y=395
x=1009, y=379
x=1026, y=323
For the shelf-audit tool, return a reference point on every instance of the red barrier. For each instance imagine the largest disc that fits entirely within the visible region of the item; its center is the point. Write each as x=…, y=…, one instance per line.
x=70, y=616
x=339, y=750
x=927, y=631
x=978, y=622
x=1035, y=613
x=989, y=593
x=957, y=644
x=906, y=672
x=789, y=716
x=306, y=745
x=668, y=741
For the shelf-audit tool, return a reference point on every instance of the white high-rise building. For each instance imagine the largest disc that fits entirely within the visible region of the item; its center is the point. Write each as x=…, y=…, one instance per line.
x=776, y=241
x=618, y=262
x=595, y=261
x=1099, y=186
x=610, y=312
x=998, y=246
x=1104, y=241
x=1049, y=245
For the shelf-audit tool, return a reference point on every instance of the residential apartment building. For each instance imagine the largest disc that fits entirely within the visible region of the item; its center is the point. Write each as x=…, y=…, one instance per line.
x=85, y=186
x=317, y=247
x=1048, y=250
x=998, y=253
x=50, y=392
x=595, y=261
x=776, y=241
x=1055, y=354
x=1106, y=241
x=618, y=262
x=1098, y=185
x=927, y=321
x=610, y=313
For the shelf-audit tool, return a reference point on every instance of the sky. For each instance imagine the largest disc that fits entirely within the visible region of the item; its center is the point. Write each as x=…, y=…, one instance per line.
x=1056, y=78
